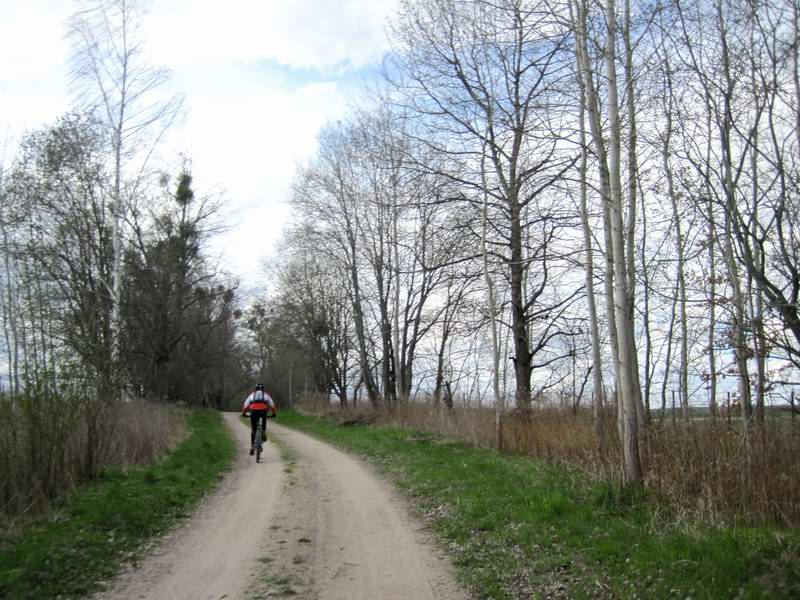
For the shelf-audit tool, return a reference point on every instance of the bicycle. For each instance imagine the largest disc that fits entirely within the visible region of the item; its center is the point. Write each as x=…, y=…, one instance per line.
x=260, y=437
x=259, y=443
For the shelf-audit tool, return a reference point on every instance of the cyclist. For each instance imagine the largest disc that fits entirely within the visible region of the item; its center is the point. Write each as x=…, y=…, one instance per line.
x=258, y=403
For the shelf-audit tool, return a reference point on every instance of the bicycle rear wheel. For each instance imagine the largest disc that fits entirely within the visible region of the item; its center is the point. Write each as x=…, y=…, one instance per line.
x=258, y=443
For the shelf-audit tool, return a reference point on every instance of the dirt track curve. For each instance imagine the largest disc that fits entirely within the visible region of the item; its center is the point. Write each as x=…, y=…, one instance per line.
x=320, y=526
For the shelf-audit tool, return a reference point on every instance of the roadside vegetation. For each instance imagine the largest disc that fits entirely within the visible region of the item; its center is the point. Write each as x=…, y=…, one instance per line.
x=113, y=311
x=85, y=538
x=518, y=527
x=693, y=469
x=52, y=442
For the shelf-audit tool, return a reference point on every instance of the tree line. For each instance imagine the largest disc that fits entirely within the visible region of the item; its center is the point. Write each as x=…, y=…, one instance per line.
x=587, y=201
x=112, y=305
x=174, y=311
x=107, y=274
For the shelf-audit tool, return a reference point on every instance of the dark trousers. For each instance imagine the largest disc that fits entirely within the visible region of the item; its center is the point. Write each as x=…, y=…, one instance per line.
x=255, y=415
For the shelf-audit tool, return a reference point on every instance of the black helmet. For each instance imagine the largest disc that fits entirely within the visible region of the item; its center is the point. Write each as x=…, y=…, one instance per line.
x=259, y=386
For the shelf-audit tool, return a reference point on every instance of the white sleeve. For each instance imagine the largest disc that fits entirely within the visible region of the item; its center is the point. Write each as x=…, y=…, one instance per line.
x=247, y=402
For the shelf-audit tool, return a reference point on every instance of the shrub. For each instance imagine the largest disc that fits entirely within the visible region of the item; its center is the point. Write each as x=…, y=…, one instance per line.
x=49, y=442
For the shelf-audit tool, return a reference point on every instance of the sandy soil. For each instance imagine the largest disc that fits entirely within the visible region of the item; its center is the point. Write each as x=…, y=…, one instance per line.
x=319, y=525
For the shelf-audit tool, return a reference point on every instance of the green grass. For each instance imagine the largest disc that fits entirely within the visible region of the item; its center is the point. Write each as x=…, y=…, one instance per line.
x=106, y=522
x=517, y=529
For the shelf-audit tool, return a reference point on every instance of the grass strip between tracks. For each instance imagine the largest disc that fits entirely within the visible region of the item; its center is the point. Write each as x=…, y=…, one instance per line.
x=517, y=529
x=108, y=521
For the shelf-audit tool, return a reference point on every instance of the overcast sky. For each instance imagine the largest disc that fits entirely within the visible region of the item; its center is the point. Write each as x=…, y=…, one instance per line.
x=260, y=78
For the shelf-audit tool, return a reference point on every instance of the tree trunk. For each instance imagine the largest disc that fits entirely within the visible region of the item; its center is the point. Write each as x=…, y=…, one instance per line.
x=499, y=401
x=597, y=367
x=633, y=181
x=627, y=379
x=358, y=317
x=13, y=340
x=712, y=309
x=739, y=317
x=519, y=325
x=757, y=310
x=681, y=277
x=649, y=366
x=403, y=379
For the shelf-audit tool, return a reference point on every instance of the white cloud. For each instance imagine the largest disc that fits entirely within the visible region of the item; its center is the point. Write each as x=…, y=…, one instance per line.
x=24, y=107
x=32, y=41
x=33, y=75
x=249, y=120
x=249, y=145
x=309, y=33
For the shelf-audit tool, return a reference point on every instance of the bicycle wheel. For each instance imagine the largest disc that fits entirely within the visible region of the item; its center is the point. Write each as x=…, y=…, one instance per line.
x=259, y=444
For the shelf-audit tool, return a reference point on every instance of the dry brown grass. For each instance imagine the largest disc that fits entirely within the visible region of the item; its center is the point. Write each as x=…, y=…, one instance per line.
x=146, y=431
x=700, y=470
x=48, y=444
x=709, y=471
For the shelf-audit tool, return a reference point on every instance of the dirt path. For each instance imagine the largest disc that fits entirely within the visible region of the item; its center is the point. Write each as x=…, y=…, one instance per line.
x=215, y=555
x=319, y=526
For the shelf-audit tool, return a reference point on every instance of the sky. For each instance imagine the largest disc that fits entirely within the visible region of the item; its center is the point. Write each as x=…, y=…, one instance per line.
x=260, y=78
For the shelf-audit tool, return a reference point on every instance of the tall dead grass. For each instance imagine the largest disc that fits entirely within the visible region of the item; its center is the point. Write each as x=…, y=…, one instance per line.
x=51, y=442
x=696, y=470
x=708, y=471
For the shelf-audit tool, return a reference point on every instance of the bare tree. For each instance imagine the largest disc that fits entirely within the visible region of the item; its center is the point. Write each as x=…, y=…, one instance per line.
x=608, y=147
x=10, y=317
x=476, y=73
x=680, y=242
x=499, y=400
x=112, y=77
x=597, y=368
x=315, y=313
x=329, y=194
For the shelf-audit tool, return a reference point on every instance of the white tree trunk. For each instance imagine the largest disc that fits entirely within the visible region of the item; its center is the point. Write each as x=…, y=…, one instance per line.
x=597, y=366
x=499, y=400
x=627, y=378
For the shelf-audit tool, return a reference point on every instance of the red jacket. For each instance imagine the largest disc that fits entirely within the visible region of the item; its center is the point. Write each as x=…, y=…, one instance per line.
x=259, y=400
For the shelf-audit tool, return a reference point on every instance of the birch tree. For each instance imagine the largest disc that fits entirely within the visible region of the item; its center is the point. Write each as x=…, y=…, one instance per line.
x=111, y=76
x=608, y=149
x=579, y=16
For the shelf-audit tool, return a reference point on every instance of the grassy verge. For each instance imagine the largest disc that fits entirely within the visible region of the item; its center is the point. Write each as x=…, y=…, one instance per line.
x=107, y=521
x=516, y=529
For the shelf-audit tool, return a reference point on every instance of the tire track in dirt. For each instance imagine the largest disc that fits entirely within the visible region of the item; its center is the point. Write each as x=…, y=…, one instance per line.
x=344, y=534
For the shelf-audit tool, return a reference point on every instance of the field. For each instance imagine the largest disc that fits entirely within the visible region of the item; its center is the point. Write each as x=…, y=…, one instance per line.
x=520, y=526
